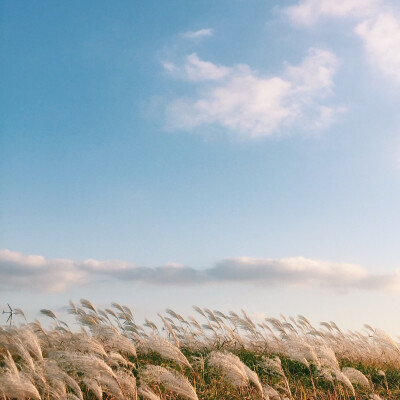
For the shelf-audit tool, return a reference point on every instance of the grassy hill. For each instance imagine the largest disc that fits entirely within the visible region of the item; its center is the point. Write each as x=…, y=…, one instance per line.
x=213, y=356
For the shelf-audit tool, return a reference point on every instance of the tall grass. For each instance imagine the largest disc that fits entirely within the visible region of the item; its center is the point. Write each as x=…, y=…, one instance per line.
x=211, y=356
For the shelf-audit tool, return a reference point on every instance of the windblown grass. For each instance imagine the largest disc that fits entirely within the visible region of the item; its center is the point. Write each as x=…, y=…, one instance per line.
x=214, y=356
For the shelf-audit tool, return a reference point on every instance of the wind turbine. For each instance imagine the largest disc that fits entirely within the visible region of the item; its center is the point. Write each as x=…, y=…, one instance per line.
x=10, y=314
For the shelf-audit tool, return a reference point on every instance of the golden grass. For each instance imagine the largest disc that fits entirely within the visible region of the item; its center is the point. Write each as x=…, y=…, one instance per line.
x=215, y=356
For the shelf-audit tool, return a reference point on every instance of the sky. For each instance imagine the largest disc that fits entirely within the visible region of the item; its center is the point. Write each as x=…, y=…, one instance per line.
x=231, y=154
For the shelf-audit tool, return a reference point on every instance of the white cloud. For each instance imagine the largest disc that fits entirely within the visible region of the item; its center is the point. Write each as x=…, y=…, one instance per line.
x=297, y=271
x=381, y=37
x=376, y=25
x=309, y=12
x=253, y=105
x=197, y=70
x=38, y=273
x=315, y=74
x=92, y=265
x=201, y=33
x=18, y=271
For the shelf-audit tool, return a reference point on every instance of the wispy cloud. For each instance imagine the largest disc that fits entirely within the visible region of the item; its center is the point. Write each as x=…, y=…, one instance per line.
x=197, y=70
x=253, y=104
x=376, y=24
x=200, y=34
x=18, y=271
x=309, y=12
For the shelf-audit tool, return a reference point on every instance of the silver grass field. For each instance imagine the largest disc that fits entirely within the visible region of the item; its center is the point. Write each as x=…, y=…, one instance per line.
x=210, y=356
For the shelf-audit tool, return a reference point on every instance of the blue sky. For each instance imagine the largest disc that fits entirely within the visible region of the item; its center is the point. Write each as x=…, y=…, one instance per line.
x=229, y=154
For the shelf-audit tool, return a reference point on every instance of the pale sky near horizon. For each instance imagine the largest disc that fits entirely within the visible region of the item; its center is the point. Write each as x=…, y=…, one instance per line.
x=231, y=154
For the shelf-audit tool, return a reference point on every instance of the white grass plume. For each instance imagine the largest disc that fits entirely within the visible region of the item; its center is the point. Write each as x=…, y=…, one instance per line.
x=234, y=370
x=55, y=376
x=86, y=364
x=170, y=330
x=374, y=396
x=127, y=383
x=355, y=376
x=270, y=393
x=327, y=358
x=93, y=386
x=147, y=393
x=14, y=384
x=274, y=366
x=110, y=385
x=171, y=380
x=301, y=351
x=230, y=366
x=112, y=339
x=165, y=349
x=341, y=377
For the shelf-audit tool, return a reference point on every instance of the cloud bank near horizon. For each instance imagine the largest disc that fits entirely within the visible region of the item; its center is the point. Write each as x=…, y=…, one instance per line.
x=35, y=272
